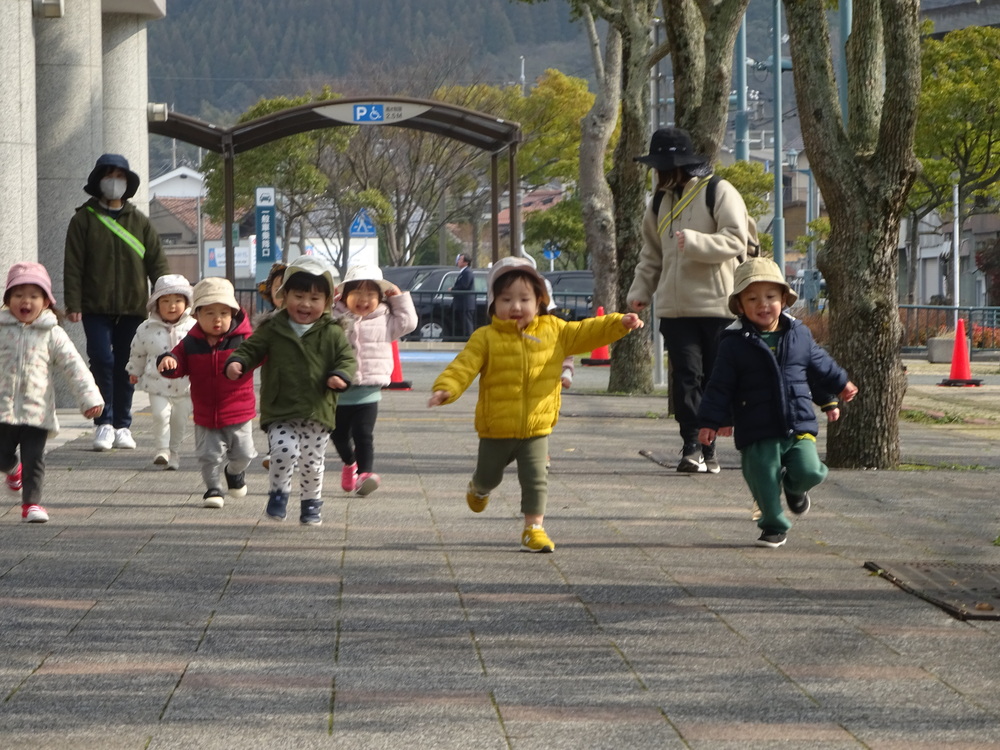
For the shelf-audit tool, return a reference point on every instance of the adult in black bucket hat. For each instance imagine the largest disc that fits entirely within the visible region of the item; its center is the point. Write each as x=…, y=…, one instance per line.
x=113, y=255
x=670, y=148
x=689, y=254
x=106, y=164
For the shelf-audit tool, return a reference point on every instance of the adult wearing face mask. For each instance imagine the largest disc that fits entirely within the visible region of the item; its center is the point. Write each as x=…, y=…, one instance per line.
x=690, y=251
x=113, y=255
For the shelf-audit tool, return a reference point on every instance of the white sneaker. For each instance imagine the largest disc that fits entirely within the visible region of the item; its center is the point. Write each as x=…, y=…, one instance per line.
x=104, y=437
x=174, y=462
x=124, y=439
x=162, y=458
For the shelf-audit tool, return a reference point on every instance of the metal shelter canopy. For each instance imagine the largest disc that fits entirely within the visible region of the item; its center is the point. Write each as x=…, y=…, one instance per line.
x=477, y=129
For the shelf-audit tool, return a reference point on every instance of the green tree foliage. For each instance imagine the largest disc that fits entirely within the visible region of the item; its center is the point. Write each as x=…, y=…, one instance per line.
x=958, y=131
x=291, y=165
x=562, y=226
x=958, y=128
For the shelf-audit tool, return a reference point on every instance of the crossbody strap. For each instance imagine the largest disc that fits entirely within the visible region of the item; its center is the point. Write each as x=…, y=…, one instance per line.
x=121, y=232
x=680, y=206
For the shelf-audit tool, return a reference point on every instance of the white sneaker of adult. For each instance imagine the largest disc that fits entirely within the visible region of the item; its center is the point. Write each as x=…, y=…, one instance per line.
x=104, y=437
x=124, y=439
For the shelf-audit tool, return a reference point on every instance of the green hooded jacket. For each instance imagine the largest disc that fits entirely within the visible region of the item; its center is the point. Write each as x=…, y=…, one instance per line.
x=295, y=370
x=102, y=274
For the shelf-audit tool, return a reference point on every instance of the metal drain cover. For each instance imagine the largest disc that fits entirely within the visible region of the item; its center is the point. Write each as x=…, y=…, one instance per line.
x=963, y=590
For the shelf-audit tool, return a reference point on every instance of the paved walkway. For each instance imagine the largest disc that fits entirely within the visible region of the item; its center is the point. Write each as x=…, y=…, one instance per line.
x=137, y=619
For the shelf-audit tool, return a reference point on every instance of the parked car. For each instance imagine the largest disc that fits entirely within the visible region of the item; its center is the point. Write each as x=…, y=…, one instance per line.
x=572, y=293
x=406, y=276
x=433, y=299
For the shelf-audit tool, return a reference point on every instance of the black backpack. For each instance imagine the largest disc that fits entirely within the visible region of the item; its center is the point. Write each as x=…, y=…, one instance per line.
x=753, y=242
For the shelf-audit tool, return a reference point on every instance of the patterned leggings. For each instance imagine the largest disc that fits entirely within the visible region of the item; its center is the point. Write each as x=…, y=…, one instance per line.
x=298, y=443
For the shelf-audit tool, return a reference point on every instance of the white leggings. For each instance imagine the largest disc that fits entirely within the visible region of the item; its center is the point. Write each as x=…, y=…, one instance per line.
x=170, y=418
x=298, y=443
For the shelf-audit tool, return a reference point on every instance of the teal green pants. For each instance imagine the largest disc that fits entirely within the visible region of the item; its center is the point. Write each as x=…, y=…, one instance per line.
x=774, y=464
x=531, y=454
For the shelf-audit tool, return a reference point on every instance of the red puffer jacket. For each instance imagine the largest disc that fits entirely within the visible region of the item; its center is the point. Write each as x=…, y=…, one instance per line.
x=217, y=400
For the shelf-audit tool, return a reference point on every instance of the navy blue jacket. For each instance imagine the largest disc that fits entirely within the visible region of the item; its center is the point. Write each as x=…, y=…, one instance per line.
x=763, y=395
x=464, y=283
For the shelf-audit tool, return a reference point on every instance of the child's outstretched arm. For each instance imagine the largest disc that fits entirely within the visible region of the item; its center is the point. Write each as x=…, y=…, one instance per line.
x=437, y=398
x=631, y=321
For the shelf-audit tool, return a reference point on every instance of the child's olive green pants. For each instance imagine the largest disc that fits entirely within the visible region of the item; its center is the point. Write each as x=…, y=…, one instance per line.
x=774, y=464
x=531, y=455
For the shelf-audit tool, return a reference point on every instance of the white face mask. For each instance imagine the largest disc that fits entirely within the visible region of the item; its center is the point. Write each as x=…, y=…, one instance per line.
x=113, y=188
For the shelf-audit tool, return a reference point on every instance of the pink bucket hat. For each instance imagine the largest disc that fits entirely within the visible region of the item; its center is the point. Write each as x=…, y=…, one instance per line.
x=26, y=272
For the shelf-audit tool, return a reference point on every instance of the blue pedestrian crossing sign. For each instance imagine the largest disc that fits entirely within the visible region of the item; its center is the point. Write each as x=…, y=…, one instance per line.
x=363, y=226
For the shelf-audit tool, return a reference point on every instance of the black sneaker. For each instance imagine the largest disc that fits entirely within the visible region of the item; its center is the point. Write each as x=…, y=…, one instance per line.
x=798, y=504
x=213, y=498
x=692, y=461
x=771, y=539
x=311, y=512
x=711, y=462
x=236, y=483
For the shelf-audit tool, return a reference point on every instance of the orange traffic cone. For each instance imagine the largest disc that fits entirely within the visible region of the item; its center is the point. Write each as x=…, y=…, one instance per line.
x=396, y=382
x=601, y=356
x=961, y=372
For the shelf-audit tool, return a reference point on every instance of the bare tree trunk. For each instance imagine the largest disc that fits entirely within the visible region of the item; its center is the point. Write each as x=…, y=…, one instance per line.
x=865, y=174
x=596, y=200
x=631, y=357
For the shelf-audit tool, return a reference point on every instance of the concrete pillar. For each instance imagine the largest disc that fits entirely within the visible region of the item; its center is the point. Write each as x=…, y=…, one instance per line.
x=70, y=124
x=18, y=167
x=126, y=96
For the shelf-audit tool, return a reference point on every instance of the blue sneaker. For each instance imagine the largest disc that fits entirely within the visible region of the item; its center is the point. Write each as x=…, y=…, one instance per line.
x=276, y=504
x=310, y=514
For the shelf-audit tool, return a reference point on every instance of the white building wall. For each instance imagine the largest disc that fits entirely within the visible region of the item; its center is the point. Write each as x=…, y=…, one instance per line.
x=70, y=122
x=19, y=174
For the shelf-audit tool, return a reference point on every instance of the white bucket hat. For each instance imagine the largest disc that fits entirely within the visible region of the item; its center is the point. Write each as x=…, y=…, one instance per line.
x=171, y=283
x=364, y=272
x=308, y=264
x=513, y=263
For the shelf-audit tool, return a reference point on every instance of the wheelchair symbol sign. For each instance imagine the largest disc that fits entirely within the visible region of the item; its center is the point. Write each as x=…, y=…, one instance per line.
x=369, y=112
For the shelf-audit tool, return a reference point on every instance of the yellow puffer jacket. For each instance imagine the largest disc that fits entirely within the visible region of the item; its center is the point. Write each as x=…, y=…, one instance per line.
x=519, y=371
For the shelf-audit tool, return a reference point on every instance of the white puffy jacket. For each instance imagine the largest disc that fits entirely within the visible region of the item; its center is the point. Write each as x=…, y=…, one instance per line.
x=29, y=355
x=153, y=338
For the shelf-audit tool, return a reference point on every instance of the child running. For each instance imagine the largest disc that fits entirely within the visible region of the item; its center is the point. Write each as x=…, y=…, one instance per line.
x=306, y=361
x=768, y=372
x=519, y=359
x=32, y=347
x=223, y=409
x=374, y=313
x=169, y=321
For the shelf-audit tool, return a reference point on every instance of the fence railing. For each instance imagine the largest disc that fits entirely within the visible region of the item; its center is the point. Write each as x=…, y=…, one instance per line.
x=921, y=322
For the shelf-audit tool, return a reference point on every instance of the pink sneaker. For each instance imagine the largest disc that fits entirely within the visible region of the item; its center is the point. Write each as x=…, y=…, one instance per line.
x=14, y=480
x=367, y=484
x=349, y=477
x=33, y=514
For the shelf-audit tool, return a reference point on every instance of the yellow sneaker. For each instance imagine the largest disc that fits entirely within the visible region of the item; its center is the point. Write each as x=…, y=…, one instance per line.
x=477, y=503
x=534, y=539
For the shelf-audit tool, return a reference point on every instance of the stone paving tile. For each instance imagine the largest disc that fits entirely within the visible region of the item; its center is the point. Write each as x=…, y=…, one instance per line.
x=148, y=621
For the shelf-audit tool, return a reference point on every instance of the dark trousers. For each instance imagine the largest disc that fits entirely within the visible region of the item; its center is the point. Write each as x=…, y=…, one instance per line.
x=32, y=442
x=109, y=344
x=353, y=435
x=465, y=321
x=691, y=345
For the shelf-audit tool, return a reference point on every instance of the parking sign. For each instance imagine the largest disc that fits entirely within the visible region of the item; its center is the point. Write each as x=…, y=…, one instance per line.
x=369, y=112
